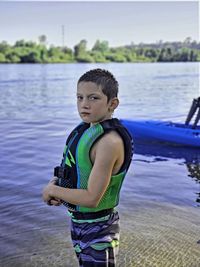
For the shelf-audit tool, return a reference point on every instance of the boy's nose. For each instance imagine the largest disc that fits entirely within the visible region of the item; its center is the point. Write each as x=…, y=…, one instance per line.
x=85, y=103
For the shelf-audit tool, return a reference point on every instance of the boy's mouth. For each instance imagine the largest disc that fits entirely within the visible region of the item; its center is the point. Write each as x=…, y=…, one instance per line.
x=85, y=113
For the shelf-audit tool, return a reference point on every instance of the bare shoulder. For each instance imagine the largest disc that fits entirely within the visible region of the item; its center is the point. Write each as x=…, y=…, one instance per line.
x=111, y=140
x=110, y=144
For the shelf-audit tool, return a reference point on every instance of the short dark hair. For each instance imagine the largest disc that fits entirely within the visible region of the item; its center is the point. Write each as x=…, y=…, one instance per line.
x=103, y=78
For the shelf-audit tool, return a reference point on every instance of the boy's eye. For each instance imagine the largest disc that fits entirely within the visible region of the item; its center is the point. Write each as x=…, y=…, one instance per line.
x=79, y=97
x=90, y=98
x=93, y=98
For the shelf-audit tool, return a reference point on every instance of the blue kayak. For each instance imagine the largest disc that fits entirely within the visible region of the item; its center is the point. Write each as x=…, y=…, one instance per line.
x=164, y=131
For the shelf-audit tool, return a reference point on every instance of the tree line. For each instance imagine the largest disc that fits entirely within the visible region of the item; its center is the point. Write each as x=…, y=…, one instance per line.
x=31, y=52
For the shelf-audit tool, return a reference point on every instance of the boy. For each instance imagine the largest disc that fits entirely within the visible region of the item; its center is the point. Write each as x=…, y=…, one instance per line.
x=96, y=158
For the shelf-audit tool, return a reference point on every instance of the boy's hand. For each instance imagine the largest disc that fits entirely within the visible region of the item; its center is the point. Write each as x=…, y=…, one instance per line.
x=54, y=202
x=46, y=194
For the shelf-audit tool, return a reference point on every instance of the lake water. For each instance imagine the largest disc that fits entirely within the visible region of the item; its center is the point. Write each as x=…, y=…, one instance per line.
x=38, y=110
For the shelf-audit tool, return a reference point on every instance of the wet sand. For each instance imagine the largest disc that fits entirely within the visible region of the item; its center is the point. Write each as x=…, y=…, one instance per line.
x=152, y=235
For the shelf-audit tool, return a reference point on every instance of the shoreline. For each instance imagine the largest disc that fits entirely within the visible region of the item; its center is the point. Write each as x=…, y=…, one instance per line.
x=152, y=234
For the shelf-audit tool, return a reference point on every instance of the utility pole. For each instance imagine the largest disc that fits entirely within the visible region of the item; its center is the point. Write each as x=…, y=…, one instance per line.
x=63, y=36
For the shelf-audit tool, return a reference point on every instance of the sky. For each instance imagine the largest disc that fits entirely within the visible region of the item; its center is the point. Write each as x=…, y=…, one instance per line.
x=119, y=23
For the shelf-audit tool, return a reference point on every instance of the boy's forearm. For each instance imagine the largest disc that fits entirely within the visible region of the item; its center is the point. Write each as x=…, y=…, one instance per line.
x=80, y=197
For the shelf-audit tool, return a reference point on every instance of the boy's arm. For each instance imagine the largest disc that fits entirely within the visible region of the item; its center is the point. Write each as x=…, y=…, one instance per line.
x=107, y=153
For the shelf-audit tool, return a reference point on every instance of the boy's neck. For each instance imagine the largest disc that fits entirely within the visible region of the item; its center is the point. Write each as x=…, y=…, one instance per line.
x=93, y=123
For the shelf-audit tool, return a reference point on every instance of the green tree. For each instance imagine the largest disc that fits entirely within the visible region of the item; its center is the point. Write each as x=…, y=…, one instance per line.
x=80, y=49
x=115, y=57
x=98, y=57
x=193, y=55
x=184, y=55
x=42, y=39
x=102, y=47
x=2, y=58
x=81, y=54
x=4, y=47
x=187, y=41
x=161, y=56
x=150, y=53
x=12, y=57
x=20, y=43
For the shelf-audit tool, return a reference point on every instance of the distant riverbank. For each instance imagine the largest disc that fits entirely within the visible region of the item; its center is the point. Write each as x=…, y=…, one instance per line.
x=30, y=52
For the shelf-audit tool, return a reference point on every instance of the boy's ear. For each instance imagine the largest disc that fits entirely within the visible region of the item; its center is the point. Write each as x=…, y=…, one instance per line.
x=114, y=102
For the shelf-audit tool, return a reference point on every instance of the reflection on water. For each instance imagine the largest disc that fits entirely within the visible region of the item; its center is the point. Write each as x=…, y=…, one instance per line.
x=189, y=154
x=162, y=152
x=194, y=173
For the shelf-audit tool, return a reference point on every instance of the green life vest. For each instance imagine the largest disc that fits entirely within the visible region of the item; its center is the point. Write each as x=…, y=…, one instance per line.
x=78, y=165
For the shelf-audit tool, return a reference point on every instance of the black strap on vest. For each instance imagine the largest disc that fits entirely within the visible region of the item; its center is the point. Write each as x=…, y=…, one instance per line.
x=115, y=124
x=90, y=215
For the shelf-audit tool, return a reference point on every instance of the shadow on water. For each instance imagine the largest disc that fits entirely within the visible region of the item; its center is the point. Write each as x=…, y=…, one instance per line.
x=194, y=173
x=190, y=156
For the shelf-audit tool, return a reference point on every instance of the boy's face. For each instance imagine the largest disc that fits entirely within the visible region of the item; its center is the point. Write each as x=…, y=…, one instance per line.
x=93, y=105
